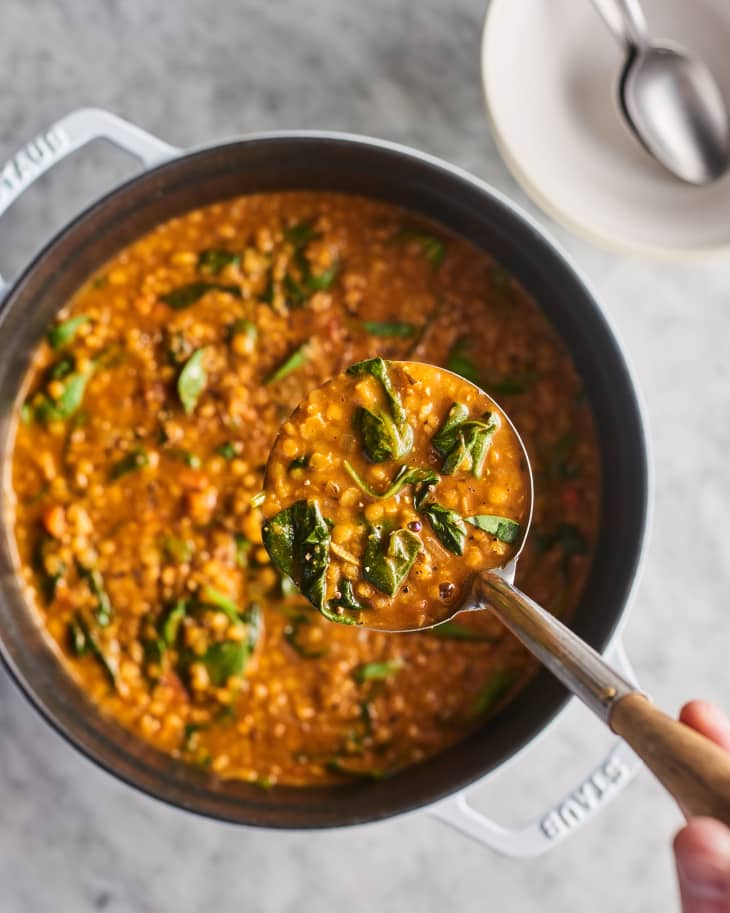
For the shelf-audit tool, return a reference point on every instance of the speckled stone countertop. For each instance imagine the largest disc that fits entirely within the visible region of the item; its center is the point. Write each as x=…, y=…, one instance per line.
x=72, y=839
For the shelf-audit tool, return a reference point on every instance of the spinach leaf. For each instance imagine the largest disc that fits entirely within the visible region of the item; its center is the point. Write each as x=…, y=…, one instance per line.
x=77, y=637
x=210, y=597
x=130, y=462
x=459, y=457
x=224, y=660
x=84, y=640
x=384, y=436
x=378, y=368
x=48, y=410
x=298, y=541
x=226, y=450
x=95, y=582
x=448, y=526
x=464, y=442
x=48, y=582
x=445, y=438
x=228, y=658
x=433, y=248
x=189, y=735
x=191, y=381
x=296, y=295
x=263, y=782
x=60, y=368
x=190, y=459
x=346, y=602
x=390, y=329
x=186, y=295
x=73, y=394
x=287, y=586
x=64, y=332
x=406, y=475
x=320, y=282
x=453, y=630
x=493, y=691
x=301, y=233
x=243, y=327
x=502, y=528
x=291, y=363
x=347, y=598
x=170, y=622
x=478, y=442
x=460, y=362
x=377, y=671
x=153, y=650
x=110, y=356
x=300, y=462
x=227, y=714
x=179, y=550
x=329, y=610
x=214, y=261
x=389, y=557
x=336, y=765
x=299, y=291
x=292, y=637
x=267, y=295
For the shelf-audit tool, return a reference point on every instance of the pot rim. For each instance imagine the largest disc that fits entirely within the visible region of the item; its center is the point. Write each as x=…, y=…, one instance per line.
x=545, y=240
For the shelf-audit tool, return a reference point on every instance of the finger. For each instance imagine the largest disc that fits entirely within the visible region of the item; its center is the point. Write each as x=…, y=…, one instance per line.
x=709, y=720
x=702, y=852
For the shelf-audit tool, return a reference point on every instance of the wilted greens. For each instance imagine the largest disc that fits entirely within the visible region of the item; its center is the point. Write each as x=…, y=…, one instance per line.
x=298, y=541
x=389, y=557
x=464, y=442
x=386, y=434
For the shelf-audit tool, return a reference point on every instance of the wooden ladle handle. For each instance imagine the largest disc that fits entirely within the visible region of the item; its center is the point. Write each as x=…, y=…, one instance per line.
x=694, y=770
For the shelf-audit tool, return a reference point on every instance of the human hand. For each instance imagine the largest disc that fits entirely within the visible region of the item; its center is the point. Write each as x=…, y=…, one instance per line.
x=702, y=847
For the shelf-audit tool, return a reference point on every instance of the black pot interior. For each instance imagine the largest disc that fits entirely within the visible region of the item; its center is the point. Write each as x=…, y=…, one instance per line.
x=463, y=206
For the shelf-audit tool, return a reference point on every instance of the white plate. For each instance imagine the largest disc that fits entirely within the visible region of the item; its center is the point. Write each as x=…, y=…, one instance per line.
x=550, y=69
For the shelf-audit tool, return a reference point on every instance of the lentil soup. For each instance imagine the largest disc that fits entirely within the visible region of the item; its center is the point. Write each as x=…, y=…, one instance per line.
x=398, y=513
x=140, y=449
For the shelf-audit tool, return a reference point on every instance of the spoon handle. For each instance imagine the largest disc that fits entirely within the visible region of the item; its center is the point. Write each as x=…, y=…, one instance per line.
x=691, y=767
x=626, y=21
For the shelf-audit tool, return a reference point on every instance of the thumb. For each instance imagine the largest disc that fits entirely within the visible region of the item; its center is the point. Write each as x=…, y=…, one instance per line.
x=702, y=851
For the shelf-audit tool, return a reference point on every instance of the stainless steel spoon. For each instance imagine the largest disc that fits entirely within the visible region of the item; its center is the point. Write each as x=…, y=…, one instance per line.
x=670, y=99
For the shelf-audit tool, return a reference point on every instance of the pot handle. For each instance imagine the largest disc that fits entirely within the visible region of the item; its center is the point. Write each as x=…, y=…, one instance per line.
x=563, y=818
x=66, y=136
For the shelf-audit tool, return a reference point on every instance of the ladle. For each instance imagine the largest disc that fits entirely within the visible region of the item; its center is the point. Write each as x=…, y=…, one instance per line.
x=692, y=768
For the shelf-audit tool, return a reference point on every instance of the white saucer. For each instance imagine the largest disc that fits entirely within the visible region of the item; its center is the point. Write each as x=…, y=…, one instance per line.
x=550, y=70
